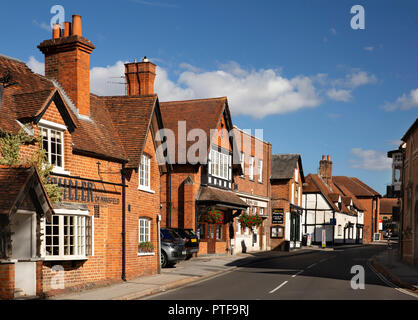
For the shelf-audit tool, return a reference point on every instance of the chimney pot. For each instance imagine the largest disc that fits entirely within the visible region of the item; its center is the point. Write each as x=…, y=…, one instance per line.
x=329, y=158
x=77, y=25
x=67, y=29
x=56, y=31
x=323, y=157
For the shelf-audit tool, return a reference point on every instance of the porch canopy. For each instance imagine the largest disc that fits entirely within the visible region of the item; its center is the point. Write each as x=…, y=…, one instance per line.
x=21, y=188
x=222, y=199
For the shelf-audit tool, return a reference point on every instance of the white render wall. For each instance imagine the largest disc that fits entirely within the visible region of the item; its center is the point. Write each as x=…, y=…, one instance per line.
x=323, y=215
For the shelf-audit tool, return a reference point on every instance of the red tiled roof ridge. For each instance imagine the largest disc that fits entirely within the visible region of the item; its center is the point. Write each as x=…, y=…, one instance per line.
x=194, y=100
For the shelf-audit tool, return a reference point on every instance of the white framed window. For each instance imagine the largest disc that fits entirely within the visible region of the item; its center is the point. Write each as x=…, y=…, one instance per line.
x=220, y=165
x=260, y=170
x=53, y=144
x=67, y=237
x=144, y=230
x=251, y=168
x=254, y=211
x=238, y=227
x=144, y=173
x=242, y=160
x=261, y=211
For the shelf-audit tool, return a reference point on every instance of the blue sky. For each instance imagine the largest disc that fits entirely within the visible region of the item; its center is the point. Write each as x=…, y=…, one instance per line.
x=296, y=69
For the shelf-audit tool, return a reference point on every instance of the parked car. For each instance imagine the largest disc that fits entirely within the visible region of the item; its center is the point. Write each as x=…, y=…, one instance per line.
x=173, y=247
x=191, y=241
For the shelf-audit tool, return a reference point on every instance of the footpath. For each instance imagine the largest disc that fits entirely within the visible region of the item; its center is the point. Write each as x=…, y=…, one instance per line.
x=398, y=273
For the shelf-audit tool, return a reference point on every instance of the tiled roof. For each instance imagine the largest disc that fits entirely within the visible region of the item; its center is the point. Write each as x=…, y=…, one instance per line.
x=283, y=166
x=355, y=186
x=117, y=127
x=131, y=118
x=215, y=195
x=314, y=184
x=14, y=183
x=203, y=114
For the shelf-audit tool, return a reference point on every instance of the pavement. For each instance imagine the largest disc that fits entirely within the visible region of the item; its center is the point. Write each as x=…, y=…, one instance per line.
x=209, y=266
x=397, y=272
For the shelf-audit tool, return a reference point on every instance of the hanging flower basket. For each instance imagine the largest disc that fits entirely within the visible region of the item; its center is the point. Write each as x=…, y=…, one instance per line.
x=250, y=221
x=213, y=216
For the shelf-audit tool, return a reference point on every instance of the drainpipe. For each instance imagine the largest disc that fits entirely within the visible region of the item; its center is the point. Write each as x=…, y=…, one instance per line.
x=123, y=223
x=169, y=200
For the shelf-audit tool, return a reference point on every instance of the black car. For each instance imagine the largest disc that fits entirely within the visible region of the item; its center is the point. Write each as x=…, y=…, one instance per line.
x=191, y=240
x=173, y=247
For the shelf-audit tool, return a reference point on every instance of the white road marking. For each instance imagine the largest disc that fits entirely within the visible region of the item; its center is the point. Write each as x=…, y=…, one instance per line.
x=296, y=274
x=274, y=290
x=312, y=265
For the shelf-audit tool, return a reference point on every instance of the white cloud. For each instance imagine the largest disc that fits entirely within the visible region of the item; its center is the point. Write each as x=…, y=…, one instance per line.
x=333, y=31
x=339, y=95
x=42, y=25
x=404, y=102
x=36, y=66
x=109, y=80
x=370, y=160
x=370, y=48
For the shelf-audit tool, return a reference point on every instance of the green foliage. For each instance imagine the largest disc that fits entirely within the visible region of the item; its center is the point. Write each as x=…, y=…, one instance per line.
x=10, y=146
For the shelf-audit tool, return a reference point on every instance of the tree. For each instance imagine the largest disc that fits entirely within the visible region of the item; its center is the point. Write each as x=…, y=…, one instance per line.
x=10, y=145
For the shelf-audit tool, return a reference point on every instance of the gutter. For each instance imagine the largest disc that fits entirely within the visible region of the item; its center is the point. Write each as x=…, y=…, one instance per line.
x=123, y=223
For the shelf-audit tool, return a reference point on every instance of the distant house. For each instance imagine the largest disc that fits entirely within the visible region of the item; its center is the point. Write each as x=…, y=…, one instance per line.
x=287, y=180
x=330, y=214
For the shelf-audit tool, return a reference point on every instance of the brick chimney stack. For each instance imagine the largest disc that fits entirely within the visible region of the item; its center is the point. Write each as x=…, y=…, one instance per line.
x=325, y=169
x=140, y=77
x=67, y=60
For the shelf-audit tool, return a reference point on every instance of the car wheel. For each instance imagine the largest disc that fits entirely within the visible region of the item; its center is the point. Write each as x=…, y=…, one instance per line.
x=164, y=261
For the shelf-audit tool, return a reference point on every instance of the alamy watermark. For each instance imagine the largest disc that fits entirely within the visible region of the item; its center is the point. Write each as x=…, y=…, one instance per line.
x=357, y=282
x=358, y=21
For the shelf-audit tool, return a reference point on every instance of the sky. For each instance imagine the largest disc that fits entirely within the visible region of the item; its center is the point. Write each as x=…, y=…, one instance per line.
x=295, y=68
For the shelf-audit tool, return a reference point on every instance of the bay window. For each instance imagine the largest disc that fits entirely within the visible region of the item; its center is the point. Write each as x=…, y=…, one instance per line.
x=220, y=165
x=67, y=237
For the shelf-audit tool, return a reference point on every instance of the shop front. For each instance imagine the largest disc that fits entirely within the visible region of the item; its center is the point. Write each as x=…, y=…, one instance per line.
x=216, y=210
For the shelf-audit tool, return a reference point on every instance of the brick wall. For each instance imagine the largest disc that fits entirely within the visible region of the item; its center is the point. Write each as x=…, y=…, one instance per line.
x=7, y=280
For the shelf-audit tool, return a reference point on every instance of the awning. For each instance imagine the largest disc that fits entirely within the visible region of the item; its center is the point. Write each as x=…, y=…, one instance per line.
x=221, y=198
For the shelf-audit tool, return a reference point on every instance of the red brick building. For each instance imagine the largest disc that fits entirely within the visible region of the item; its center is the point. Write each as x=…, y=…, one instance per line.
x=287, y=181
x=409, y=196
x=253, y=187
x=104, y=154
x=195, y=189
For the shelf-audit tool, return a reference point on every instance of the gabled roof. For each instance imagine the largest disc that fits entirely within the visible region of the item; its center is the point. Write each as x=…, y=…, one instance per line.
x=16, y=182
x=314, y=184
x=132, y=119
x=117, y=127
x=283, y=166
x=204, y=114
x=357, y=187
x=410, y=130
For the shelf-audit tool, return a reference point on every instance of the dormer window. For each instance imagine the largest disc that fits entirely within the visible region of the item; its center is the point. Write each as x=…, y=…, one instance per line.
x=53, y=143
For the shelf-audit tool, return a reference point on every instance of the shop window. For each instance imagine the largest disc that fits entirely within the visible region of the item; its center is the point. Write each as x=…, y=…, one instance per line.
x=144, y=173
x=67, y=237
x=201, y=231
x=219, y=229
x=340, y=230
x=53, y=144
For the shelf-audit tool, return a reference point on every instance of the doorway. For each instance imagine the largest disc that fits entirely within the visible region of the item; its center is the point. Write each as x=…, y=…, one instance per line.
x=23, y=228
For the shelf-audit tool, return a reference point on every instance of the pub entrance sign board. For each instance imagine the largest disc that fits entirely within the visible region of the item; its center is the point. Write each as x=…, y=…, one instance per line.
x=277, y=215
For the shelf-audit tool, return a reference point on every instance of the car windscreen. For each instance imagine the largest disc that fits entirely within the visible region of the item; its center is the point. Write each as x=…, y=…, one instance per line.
x=169, y=234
